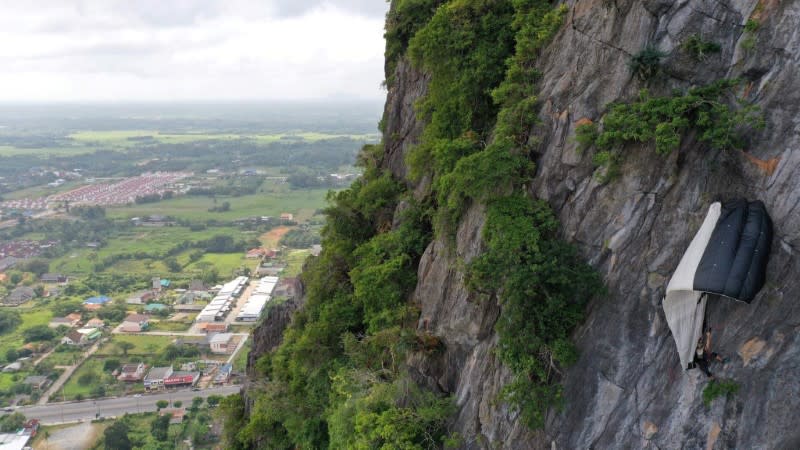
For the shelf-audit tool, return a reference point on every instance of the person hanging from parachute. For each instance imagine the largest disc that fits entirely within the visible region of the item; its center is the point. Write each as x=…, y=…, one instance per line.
x=704, y=356
x=728, y=257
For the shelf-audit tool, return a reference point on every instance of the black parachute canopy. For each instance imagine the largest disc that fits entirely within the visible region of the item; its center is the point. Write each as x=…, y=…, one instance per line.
x=735, y=260
x=728, y=256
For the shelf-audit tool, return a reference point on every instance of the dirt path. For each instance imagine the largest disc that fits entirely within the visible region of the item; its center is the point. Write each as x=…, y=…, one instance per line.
x=67, y=373
x=271, y=238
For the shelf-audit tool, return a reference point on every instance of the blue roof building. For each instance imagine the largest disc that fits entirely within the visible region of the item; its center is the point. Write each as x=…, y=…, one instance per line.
x=100, y=300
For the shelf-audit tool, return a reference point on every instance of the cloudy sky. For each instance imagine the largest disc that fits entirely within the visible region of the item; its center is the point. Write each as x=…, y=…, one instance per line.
x=117, y=50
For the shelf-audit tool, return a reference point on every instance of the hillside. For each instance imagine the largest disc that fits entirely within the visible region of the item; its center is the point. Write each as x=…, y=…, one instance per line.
x=495, y=278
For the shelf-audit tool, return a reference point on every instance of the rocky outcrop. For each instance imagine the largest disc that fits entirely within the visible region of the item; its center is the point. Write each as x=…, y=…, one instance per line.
x=401, y=127
x=268, y=335
x=627, y=390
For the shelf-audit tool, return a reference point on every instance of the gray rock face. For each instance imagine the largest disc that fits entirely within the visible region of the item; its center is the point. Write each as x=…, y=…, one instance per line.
x=627, y=390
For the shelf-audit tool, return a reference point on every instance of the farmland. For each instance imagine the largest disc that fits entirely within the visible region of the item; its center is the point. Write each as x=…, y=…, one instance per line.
x=302, y=203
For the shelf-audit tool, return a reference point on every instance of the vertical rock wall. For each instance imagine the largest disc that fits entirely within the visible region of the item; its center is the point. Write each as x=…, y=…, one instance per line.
x=627, y=390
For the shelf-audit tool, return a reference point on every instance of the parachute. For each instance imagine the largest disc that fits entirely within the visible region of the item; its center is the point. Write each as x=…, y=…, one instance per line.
x=728, y=257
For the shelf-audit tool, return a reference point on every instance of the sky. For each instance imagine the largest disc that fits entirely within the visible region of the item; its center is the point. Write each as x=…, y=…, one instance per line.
x=191, y=50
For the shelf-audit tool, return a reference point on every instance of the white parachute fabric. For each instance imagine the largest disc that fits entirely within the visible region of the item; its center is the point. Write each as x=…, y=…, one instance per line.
x=683, y=306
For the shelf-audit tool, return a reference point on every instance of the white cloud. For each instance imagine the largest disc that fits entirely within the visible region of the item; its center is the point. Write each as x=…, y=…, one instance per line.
x=190, y=50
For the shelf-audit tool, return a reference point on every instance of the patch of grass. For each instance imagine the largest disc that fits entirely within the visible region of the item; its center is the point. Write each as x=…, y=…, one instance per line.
x=73, y=389
x=294, y=262
x=9, y=379
x=30, y=318
x=240, y=362
x=166, y=325
x=65, y=358
x=719, y=388
x=143, y=345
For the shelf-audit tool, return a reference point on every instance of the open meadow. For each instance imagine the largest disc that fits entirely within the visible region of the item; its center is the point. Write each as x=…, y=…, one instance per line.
x=301, y=203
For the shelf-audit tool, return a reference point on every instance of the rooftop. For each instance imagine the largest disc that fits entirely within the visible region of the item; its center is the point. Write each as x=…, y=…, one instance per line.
x=157, y=373
x=137, y=318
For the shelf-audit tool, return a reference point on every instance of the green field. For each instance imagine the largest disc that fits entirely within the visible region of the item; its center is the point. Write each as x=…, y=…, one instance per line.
x=65, y=358
x=30, y=318
x=94, y=365
x=168, y=325
x=120, y=138
x=144, y=345
x=294, y=262
x=142, y=239
x=240, y=362
x=301, y=203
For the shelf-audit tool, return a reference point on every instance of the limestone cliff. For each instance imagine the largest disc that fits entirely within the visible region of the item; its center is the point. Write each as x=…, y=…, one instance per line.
x=627, y=389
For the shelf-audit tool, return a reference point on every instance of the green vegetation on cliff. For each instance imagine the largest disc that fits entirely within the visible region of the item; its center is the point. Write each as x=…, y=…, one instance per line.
x=666, y=119
x=339, y=379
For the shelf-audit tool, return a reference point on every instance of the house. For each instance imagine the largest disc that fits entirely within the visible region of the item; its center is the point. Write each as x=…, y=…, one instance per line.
x=200, y=342
x=255, y=253
x=153, y=307
x=75, y=338
x=188, y=308
x=270, y=270
x=155, y=378
x=19, y=296
x=197, y=285
x=175, y=413
x=165, y=283
x=212, y=327
x=223, y=374
x=95, y=323
x=75, y=317
x=62, y=322
x=181, y=378
x=90, y=333
x=222, y=343
x=99, y=301
x=287, y=216
x=30, y=428
x=135, y=323
x=13, y=367
x=131, y=372
x=37, y=382
x=54, y=278
x=140, y=298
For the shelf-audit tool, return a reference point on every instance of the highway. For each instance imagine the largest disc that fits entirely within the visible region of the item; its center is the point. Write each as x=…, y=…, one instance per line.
x=55, y=413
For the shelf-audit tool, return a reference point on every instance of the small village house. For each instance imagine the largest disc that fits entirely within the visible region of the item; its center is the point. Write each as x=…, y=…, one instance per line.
x=135, y=323
x=75, y=338
x=131, y=372
x=222, y=343
x=54, y=278
x=95, y=323
x=154, y=380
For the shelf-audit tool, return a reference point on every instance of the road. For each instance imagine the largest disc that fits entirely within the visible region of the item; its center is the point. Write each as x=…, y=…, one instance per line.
x=55, y=413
